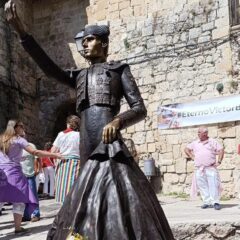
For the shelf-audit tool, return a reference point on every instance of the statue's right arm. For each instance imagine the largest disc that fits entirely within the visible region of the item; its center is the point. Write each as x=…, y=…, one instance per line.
x=46, y=63
x=35, y=51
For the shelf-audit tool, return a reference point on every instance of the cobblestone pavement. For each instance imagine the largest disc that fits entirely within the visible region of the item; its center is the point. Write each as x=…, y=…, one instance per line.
x=177, y=211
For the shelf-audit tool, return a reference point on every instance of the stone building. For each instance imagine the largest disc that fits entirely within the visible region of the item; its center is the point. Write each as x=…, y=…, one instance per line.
x=179, y=51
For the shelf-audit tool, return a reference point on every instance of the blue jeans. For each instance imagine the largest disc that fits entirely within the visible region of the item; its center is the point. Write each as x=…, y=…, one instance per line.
x=36, y=213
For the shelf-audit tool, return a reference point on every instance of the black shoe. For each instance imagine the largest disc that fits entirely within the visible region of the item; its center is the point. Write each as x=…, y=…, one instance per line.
x=25, y=219
x=21, y=231
x=50, y=197
x=217, y=206
x=204, y=206
x=43, y=196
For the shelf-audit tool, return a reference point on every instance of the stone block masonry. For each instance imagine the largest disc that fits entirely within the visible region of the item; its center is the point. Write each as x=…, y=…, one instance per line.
x=179, y=51
x=18, y=97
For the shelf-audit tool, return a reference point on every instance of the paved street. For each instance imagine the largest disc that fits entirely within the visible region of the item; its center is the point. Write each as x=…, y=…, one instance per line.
x=177, y=211
x=186, y=211
x=38, y=230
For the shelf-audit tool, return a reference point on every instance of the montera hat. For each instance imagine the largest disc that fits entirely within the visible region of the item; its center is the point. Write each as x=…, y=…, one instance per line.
x=102, y=31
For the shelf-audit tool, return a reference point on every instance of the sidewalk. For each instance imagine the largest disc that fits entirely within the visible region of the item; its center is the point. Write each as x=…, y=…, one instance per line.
x=179, y=213
x=187, y=211
x=38, y=230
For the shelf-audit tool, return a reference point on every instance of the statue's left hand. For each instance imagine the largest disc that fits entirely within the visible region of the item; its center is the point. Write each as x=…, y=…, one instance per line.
x=110, y=131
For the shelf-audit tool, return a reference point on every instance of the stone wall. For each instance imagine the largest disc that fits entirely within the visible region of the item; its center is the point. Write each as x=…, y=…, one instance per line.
x=225, y=230
x=55, y=25
x=26, y=92
x=179, y=50
x=4, y=71
x=17, y=76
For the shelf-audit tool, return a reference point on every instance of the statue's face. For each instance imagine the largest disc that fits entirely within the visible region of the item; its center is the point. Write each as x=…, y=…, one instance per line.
x=92, y=47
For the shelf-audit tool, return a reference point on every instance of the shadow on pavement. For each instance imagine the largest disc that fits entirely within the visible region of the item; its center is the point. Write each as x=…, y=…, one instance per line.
x=4, y=213
x=32, y=231
x=7, y=226
x=49, y=216
x=228, y=205
x=222, y=206
x=1, y=223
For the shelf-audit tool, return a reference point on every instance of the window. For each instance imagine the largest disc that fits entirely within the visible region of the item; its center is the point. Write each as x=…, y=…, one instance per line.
x=234, y=10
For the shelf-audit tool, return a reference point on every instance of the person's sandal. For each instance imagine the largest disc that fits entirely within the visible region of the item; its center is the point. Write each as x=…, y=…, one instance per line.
x=35, y=219
x=21, y=231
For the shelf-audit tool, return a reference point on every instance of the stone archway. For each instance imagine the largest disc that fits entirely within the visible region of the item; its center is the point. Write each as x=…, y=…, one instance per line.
x=62, y=112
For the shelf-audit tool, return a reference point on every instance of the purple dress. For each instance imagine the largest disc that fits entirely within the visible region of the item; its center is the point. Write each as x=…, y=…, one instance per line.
x=14, y=186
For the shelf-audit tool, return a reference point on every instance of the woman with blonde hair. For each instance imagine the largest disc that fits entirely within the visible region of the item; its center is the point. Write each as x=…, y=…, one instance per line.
x=67, y=170
x=14, y=185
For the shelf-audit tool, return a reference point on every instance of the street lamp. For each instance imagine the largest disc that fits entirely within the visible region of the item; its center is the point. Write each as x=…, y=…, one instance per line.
x=78, y=38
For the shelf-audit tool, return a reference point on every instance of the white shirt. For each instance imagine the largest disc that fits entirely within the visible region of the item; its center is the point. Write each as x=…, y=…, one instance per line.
x=68, y=144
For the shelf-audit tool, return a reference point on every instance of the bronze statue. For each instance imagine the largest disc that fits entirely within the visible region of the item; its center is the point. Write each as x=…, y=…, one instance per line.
x=112, y=198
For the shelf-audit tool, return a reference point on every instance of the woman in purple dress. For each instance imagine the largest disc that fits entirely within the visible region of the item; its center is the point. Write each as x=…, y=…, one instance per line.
x=14, y=186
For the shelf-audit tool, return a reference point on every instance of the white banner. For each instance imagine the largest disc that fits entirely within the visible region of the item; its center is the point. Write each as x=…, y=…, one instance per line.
x=216, y=110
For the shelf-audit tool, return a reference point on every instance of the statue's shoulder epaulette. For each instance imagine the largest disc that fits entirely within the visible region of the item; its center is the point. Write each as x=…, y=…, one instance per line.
x=114, y=65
